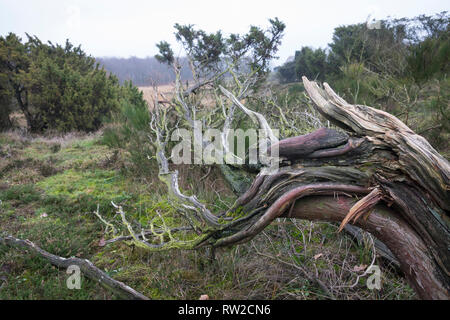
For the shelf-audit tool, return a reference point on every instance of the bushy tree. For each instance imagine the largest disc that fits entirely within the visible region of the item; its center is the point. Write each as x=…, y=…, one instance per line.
x=56, y=87
x=13, y=62
x=418, y=47
x=129, y=128
x=430, y=57
x=311, y=63
x=214, y=56
x=286, y=72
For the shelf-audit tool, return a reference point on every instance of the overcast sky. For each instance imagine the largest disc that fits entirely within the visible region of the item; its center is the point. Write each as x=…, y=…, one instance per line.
x=132, y=27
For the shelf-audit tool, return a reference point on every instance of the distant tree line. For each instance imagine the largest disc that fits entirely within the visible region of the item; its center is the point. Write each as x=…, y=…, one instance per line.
x=417, y=48
x=401, y=66
x=56, y=87
x=143, y=71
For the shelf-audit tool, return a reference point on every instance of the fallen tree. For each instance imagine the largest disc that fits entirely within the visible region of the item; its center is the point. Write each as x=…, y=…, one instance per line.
x=376, y=174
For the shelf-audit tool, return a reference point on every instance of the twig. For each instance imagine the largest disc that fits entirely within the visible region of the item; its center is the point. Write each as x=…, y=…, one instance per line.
x=366, y=270
x=146, y=233
x=306, y=274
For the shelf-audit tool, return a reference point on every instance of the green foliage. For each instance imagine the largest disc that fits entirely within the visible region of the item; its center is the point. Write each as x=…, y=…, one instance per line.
x=401, y=67
x=56, y=87
x=12, y=61
x=307, y=62
x=5, y=110
x=430, y=57
x=5, y=101
x=166, y=53
x=286, y=72
x=417, y=48
x=311, y=63
x=129, y=129
x=210, y=52
x=203, y=48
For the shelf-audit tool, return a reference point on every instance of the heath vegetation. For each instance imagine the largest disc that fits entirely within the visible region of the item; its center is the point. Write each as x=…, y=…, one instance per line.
x=87, y=168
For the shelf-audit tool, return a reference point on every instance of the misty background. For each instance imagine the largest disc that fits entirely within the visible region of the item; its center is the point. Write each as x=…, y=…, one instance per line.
x=122, y=34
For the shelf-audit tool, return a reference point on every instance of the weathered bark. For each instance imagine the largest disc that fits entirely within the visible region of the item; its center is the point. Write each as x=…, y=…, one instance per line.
x=379, y=160
x=388, y=226
x=381, y=249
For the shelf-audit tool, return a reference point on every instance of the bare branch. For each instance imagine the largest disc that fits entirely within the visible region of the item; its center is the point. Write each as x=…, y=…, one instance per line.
x=86, y=266
x=255, y=116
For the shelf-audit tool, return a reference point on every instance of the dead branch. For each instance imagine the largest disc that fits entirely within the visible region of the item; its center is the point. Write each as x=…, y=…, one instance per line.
x=86, y=266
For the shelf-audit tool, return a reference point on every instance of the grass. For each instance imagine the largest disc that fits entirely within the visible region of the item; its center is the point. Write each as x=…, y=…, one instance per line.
x=50, y=186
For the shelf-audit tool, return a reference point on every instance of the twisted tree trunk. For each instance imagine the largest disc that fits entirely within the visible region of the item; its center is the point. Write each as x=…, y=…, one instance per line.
x=401, y=182
x=376, y=174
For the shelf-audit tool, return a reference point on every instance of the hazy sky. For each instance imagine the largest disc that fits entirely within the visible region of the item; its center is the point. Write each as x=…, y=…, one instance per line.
x=132, y=27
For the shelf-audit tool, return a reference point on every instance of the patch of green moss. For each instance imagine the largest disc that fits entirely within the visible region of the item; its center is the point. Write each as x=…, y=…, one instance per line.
x=73, y=184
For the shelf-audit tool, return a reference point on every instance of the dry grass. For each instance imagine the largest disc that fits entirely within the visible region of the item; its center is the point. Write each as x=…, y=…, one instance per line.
x=18, y=119
x=331, y=264
x=165, y=93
